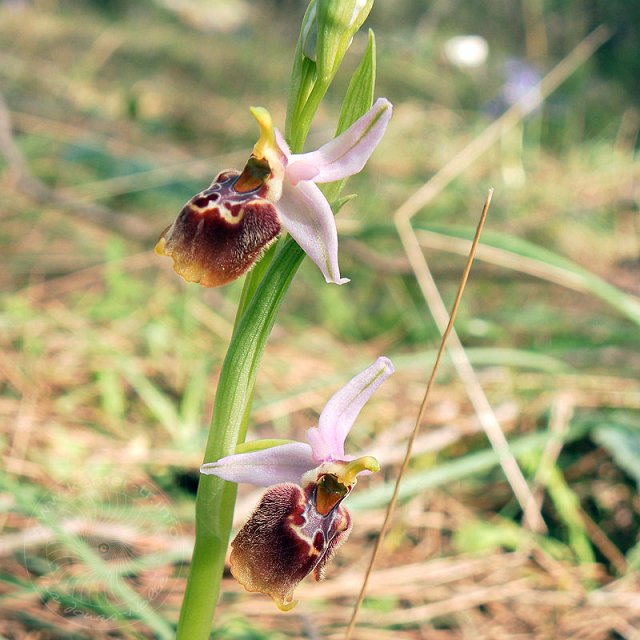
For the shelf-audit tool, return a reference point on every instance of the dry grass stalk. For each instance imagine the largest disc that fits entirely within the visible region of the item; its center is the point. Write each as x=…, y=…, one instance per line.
x=448, y=330
x=502, y=258
x=561, y=413
x=472, y=385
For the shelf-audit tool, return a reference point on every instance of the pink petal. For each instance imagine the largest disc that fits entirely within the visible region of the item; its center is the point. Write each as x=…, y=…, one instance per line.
x=348, y=153
x=282, y=143
x=305, y=213
x=339, y=414
x=283, y=463
x=301, y=171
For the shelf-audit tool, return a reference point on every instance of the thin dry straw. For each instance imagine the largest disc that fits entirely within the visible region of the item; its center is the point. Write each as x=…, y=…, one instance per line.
x=423, y=406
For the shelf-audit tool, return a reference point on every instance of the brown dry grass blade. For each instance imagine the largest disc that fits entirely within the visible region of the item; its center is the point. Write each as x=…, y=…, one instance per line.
x=421, y=412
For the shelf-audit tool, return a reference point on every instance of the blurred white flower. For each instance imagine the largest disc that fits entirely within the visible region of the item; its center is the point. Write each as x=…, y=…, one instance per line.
x=467, y=52
x=210, y=15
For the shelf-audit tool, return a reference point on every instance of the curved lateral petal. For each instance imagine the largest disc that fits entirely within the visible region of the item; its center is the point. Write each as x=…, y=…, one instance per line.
x=305, y=213
x=348, y=153
x=339, y=414
x=284, y=463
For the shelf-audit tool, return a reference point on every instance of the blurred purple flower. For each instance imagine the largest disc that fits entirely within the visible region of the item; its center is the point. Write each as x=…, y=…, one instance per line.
x=520, y=81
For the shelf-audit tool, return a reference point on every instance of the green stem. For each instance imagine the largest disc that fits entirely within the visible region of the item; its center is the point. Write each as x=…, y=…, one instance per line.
x=251, y=282
x=216, y=498
x=305, y=117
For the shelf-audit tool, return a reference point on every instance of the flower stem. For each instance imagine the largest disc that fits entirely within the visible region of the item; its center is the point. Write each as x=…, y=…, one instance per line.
x=216, y=498
x=251, y=282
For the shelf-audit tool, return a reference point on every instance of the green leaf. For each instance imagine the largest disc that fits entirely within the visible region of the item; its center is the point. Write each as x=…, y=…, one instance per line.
x=360, y=93
x=472, y=464
x=478, y=536
x=356, y=103
x=623, y=443
x=633, y=558
x=303, y=75
x=567, y=506
x=253, y=279
x=309, y=32
x=336, y=205
x=546, y=264
x=260, y=445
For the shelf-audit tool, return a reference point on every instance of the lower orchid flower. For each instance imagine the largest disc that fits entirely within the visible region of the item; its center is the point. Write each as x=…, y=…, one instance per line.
x=300, y=521
x=223, y=230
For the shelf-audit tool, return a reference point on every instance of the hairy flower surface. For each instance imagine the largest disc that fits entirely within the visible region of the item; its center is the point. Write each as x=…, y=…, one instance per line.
x=300, y=520
x=223, y=230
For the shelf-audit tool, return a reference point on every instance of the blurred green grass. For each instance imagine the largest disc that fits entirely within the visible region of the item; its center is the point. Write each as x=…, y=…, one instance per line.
x=109, y=363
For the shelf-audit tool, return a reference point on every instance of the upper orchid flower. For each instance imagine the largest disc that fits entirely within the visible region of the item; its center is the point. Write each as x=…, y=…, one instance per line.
x=300, y=522
x=223, y=230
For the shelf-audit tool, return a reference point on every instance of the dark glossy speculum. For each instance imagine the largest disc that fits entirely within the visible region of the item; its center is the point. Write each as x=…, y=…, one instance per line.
x=329, y=492
x=255, y=174
x=223, y=230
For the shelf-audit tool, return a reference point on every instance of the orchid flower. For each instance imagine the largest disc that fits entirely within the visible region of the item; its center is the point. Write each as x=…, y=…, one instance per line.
x=300, y=522
x=223, y=230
